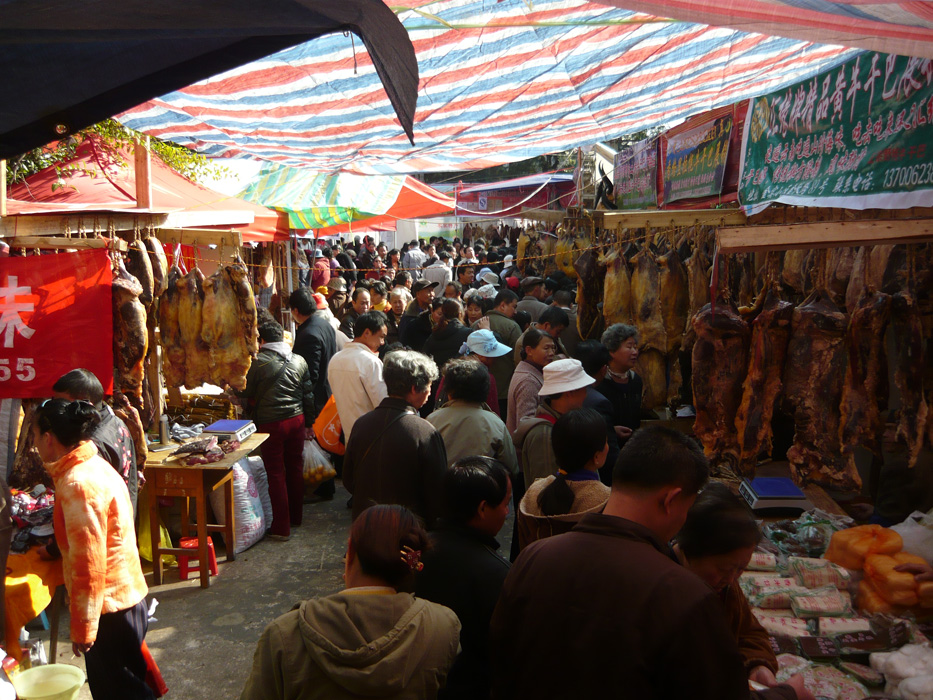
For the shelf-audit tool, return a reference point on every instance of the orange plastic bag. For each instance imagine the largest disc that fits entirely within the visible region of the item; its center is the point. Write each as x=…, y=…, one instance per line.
x=896, y=587
x=327, y=428
x=849, y=548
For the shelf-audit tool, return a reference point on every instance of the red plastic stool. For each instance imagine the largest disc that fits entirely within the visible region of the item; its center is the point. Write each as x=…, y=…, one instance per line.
x=190, y=563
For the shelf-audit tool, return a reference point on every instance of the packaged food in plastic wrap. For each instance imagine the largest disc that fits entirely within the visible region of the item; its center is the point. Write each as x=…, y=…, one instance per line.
x=829, y=682
x=774, y=598
x=781, y=626
x=760, y=584
x=862, y=673
x=248, y=517
x=839, y=625
x=896, y=587
x=762, y=561
x=790, y=665
x=821, y=602
x=816, y=573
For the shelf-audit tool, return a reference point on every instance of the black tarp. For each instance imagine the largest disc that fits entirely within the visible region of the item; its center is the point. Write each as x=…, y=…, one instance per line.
x=68, y=64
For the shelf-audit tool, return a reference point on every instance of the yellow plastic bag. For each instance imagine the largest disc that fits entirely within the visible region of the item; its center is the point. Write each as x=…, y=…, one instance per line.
x=143, y=539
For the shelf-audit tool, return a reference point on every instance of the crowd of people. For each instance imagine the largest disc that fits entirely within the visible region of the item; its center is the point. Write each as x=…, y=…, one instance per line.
x=468, y=400
x=457, y=415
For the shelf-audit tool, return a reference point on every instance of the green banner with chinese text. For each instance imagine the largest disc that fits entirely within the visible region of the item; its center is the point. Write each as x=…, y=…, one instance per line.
x=855, y=136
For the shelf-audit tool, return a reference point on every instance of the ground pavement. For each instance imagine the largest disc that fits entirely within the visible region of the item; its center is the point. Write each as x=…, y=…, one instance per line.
x=204, y=639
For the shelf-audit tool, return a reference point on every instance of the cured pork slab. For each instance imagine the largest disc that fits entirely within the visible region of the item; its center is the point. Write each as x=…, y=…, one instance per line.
x=130, y=337
x=617, y=291
x=719, y=364
x=908, y=374
x=814, y=377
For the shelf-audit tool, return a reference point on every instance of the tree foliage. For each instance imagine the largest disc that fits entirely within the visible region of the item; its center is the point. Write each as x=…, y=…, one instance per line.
x=119, y=139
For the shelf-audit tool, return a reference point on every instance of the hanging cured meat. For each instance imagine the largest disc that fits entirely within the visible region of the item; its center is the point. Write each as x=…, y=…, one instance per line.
x=138, y=265
x=547, y=247
x=589, y=295
x=792, y=273
x=173, y=349
x=130, y=337
x=908, y=374
x=858, y=278
x=839, y=266
x=652, y=368
x=246, y=304
x=159, y=266
x=617, y=296
x=563, y=257
x=526, y=246
x=742, y=272
x=127, y=413
x=866, y=385
x=720, y=363
x=674, y=298
x=646, y=300
x=697, y=267
x=223, y=329
x=878, y=264
x=768, y=349
x=190, y=305
x=814, y=377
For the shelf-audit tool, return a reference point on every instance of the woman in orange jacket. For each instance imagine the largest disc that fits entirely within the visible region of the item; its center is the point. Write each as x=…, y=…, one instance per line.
x=93, y=521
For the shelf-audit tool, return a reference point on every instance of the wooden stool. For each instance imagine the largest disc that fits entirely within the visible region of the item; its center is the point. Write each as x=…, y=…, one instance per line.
x=188, y=563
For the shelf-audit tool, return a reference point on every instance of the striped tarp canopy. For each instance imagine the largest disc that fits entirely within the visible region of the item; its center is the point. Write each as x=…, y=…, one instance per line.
x=890, y=26
x=333, y=202
x=499, y=82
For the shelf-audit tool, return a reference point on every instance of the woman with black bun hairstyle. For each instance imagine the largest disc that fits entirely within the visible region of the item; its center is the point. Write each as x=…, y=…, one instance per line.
x=373, y=639
x=94, y=529
x=553, y=505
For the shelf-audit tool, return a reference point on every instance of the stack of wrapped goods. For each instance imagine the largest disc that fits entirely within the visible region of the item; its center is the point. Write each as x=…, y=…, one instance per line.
x=818, y=629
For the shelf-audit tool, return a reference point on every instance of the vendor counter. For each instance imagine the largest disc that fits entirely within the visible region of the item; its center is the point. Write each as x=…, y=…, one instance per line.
x=167, y=476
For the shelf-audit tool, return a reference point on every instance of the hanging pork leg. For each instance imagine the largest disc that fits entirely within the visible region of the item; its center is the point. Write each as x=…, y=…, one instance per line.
x=770, y=335
x=814, y=376
x=908, y=374
x=719, y=366
x=130, y=336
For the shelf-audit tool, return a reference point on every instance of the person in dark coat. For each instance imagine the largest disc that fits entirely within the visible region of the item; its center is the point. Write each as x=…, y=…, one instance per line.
x=622, y=386
x=393, y=455
x=463, y=569
x=604, y=611
x=449, y=336
x=594, y=356
x=278, y=387
x=315, y=340
x=415, y=331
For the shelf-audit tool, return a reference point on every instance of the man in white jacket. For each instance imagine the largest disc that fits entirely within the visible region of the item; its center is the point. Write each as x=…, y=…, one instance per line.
x=355, y=373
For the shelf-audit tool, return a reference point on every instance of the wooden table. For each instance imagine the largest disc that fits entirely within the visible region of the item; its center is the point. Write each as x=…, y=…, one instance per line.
x=174, y=478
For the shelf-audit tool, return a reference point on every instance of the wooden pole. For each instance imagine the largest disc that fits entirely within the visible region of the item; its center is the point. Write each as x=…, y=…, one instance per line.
x=143, y=174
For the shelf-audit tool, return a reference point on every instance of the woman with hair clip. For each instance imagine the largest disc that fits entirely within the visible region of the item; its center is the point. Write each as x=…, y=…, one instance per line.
x=716, y=543
x=93, y=520
x=553, y=505
x=373, y=639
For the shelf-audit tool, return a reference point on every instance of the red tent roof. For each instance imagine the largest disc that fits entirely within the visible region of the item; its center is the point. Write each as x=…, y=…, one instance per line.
x=96, y=180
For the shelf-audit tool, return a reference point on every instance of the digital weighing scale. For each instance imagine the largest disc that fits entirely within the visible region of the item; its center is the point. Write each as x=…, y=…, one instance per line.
x=770, y=493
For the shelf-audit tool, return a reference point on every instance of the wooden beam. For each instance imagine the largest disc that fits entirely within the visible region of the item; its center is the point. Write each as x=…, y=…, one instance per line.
x=662, y=218
x=56, y=224
x=823, y=234
x=62, y=243
x=200, y=236
x=125, y=220
x=143, y=173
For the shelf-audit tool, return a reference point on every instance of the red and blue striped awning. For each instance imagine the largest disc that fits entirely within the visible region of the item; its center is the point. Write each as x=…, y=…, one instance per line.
x=499, y=82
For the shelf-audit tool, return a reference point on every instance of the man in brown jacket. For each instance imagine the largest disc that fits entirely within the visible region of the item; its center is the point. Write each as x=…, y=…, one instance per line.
x=604, y=611
x=394, y=456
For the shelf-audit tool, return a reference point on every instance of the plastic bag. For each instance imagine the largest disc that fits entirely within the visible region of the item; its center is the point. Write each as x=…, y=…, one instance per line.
x=917, y=533
x=248, y=519
x=143, y=538
x=258, y=470
x=317, y=465
x=327, y=428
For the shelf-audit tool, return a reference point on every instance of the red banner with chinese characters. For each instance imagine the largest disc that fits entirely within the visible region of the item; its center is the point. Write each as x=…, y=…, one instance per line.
x=55, y=315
